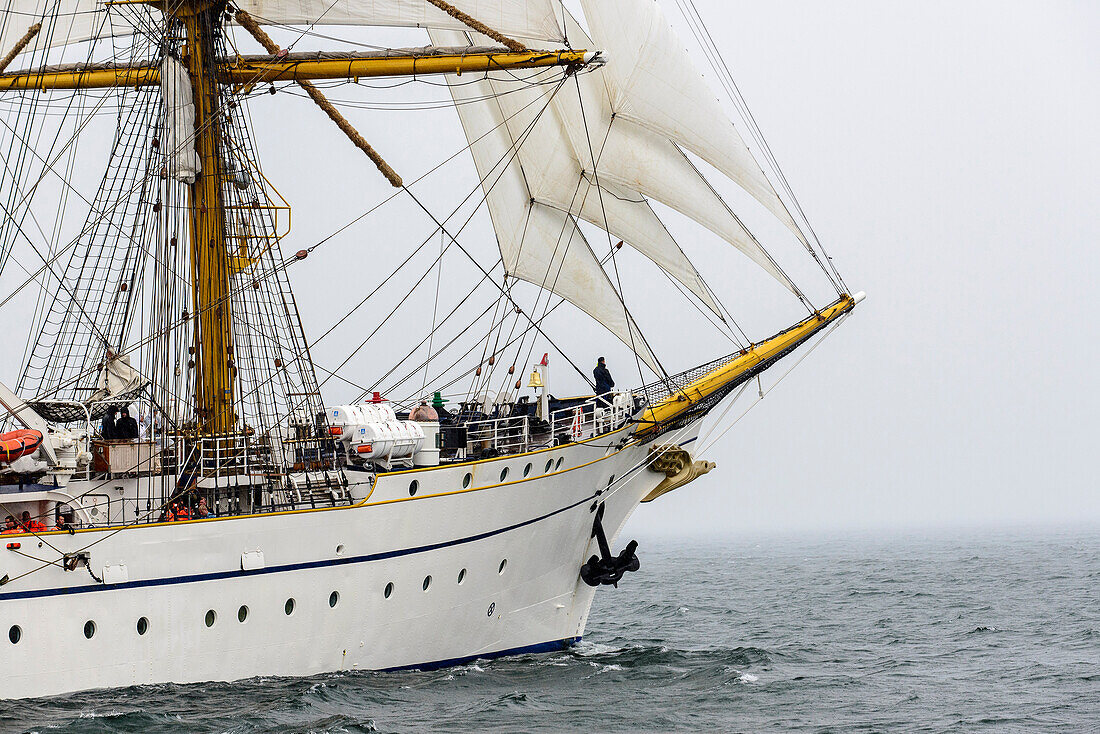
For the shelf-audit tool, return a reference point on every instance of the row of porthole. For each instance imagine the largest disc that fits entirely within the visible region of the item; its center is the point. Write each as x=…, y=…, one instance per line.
x=15, y=633
x=551, y=465
x=388, y=591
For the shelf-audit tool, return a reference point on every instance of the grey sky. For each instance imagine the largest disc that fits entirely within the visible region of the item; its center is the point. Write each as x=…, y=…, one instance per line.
x=945, y=154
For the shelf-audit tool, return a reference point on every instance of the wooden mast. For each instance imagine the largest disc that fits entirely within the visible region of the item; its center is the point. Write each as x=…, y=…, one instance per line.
x=210, y=274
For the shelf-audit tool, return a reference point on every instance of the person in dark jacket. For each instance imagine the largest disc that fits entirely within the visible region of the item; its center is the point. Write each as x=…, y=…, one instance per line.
x=107, y=429
x=604, y=383
x=126, y=427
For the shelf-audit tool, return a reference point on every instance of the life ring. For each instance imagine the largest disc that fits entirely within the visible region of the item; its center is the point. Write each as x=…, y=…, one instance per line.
x=15, y=444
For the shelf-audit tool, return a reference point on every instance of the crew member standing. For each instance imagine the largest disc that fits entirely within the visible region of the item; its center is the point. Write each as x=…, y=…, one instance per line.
x=604, y=383
x=107, y=427
x=126, y=427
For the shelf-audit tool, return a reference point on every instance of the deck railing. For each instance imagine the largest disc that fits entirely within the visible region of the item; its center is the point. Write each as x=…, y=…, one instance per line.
x=502, y=435
x=592, y=417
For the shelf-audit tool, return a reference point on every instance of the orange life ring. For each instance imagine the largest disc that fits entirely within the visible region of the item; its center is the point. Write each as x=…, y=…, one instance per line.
x=15, y=444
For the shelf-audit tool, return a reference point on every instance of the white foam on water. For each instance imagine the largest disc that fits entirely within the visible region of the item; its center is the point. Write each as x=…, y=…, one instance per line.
x=748, y=678
x=587, y=649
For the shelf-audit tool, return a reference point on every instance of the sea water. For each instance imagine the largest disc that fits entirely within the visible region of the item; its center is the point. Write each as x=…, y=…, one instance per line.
x=946, y=631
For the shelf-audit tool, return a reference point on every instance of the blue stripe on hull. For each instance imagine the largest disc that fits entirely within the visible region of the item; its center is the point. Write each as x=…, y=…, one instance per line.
x=553, y=646
x=217, y=575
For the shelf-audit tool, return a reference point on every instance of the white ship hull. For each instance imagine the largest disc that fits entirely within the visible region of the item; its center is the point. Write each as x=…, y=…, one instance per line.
x=539, y=527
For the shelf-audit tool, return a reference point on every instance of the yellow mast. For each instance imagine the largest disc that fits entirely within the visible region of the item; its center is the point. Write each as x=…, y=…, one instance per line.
x=209, y=257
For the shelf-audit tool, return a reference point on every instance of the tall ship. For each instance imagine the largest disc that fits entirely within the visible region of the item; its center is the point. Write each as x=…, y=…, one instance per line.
x=181, y=501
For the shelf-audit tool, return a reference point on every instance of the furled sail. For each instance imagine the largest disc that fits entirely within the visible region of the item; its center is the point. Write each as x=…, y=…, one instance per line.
x=179, y=103
x=654, y=83
x=80, y=20
x=539, y=243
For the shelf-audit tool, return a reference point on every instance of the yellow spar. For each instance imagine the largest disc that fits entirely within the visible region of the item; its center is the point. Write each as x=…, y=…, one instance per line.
x=244, y=70
x=681, y=401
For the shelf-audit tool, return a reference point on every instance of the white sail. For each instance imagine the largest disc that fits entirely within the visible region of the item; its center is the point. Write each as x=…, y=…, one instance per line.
x=63, y=22
x=652, y=82
x=556, y=178
x=72, y=21
x=551, y=251
x=538, y=243
x=636, y=158
x=527, y=19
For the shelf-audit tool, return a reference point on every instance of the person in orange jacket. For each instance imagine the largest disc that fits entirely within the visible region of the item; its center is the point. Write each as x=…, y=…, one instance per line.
x=178, y=512
x=10, y=526
x=32, y=526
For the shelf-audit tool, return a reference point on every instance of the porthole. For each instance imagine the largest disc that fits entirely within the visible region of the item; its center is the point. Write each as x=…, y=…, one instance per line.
x=340, y=549
x=427, y=582
x=503, y=565
x=558, y=465
x=15, y=634
x=289, y=606
x=549, y=466
x=413, y=486
x=389, y=590
x=211, y=617
x=526, y=470
x=89, y=629
x=142, y=625
x=503, y=474
x=334, y=598
x=242, y=614
x=461, y=576
x=466, y=480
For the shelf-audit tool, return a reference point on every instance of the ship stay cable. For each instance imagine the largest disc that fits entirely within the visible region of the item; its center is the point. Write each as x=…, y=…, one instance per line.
x=461, y=358
x=671, y=441
x=432, y=355
x=441, y=227
x=290, y=260
x=718, y=64
x=610, y=245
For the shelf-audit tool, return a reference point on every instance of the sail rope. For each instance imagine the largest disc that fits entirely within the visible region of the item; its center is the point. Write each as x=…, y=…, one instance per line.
x=672, y=441
x=721, y=68
x=289, y=260
x=762, y=393
x=611, y=247
x=441, y=227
